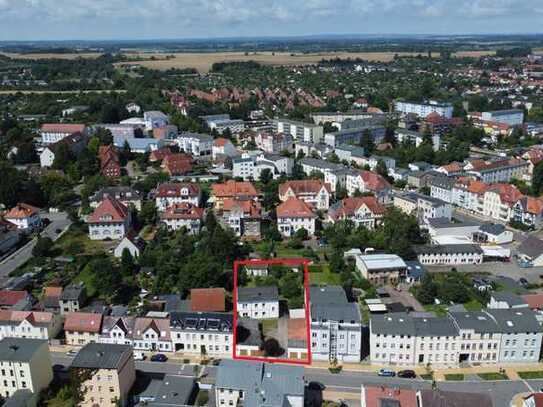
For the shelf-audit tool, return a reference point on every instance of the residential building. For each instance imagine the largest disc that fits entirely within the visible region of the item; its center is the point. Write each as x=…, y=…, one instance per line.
x=124, y=194
x=501, y=170
x=111, y=374
x=362, y=211
x=293, y=215
x=442, y=188
x=110, y=220
x=299, y=131
x=340, y=117
x=82, y=328
x=29, y=324
x=258, y=302
x=251, y=167
x=336, y=325
x=468, y=194
x=223, y=146
x=233, y=190
x=26, y=217
x=351, y=154
x=367, y=181
x=221, y=122
x=258, y=384
x=415, y=138
x=513, y=117
x=314, y=192
x=499, y=200
x=202, y=333
x=197, y=145
x=354, y=135
x=528, y=211
x=310, y=165
x=110, y=164
x=424, y=207
x=242, y=216
x=183, y=215
x=131, y=242
x=53, y=132
x=274, y=143
x=380, y=396
x=74, y=143
x=117, y=330
x=530, y=251
x=449, y=254
x=152, y=334
x=154, y=119
x=72, y=298
x=170, y=194
x=506, y=300
x=138, y=145
x=177, y=164
x=25, y=364
x=121, y=131
x=15, y=300
x=381, y=269
x=424, y=109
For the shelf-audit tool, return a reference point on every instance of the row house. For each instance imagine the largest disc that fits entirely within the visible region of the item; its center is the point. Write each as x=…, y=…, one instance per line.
x=176, y=193
x=117, y=330
x=81, y=328
x=363, y=211
x=299, y=131
x=311, y=150
x=468, y=194
x=53, y=132
x=15, y=300
x=257, y=302
x=366, y=181
x=314, y=165
x=449, y=254
x=497, y=171
x=532, y=157
x=152, y=334
x=110, y=220
x=442, y=188
x=183, y=215
x=498, y=201
x=233, y=190
x=29, y=324
x=314, y=192
x=493, y=336
x=293, y=215
x=26, y=217
x=110, y=164
x=529, y=211
x=243, y=217
x=274, y=143
x=177, y=164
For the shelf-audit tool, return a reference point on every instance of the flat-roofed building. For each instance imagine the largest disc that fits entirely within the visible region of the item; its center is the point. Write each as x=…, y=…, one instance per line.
x=381, y=268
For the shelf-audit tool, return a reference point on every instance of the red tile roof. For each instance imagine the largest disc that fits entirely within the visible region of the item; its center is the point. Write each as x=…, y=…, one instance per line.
x=62, y=128
x=34, y=317
x=220, y=142
x=348, y=207
x=233, y=188
x=177, y=164
x=295, y=208
x=534, y=301
x=249, y=207
x=159, y=325
x=11, y=297
x=207, y=299
x=508, y=193
x=21, y=211
x=52, y=291
x=83, y=322
x=174, y=190
x=109, y=211
x=373, y=181
x=534, y=205
x=375, y=396
x=159, y=154
x=183, y=210
x=297, y=329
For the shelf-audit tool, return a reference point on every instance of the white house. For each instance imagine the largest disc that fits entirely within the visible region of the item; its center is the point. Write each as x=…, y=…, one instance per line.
x=198, y=145
x=314, y=192
x=258, y=302
x=183, y=215
x=54, y=132
x=110, y=220
x=175, y=193
x=26, y=217
x=132, y=243
x=293, y=215
x=222, y=146
x=29, y=324
x=424, y=109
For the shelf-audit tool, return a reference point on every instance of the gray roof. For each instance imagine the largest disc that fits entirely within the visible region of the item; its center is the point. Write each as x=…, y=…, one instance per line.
x=516, y=320
x=443, y=182
x=404, y=324
x=448, y=248
x=117, y=192
x=318, y=163
x=202, y=321
x=492, y=228
x=531, y=247
x=440, y=398
x=510, y=298
x=174, y=391
x=415, y=196
x=101, y=356
x=438, y=223
x=348, y=312
x=19, y=349
x=264, y=384
x=331, y=294
x=72, y=292
x=263, y=293
x=478, y=321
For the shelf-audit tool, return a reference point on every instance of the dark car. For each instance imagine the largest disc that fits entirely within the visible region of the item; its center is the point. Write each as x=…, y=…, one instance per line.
x=523, y=282
x=315, y=386
x=407, y=374
x=159, y=357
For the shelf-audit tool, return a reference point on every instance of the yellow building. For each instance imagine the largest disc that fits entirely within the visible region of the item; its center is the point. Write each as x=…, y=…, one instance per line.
x=107, y=373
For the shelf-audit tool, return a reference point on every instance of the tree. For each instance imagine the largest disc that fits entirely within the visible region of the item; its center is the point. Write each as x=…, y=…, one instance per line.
x=12, y=184
x=381, y=169
x=427, y=291
x=148, y=213
x=127, y=263
x=63, y=157
x=272, y=348
x=367, y=143
x=266, y=176
x=537, y=179
x=43, y=247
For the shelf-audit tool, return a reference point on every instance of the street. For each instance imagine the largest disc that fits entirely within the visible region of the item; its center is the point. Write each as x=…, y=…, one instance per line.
x=59, y=222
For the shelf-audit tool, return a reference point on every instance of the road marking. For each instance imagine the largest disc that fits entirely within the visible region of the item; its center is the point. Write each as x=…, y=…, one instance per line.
x=527, y=385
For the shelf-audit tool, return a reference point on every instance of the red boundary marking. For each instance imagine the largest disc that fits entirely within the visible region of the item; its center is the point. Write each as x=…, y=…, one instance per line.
x=288, y=262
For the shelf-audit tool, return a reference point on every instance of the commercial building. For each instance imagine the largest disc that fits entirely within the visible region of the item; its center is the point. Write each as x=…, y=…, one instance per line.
x=198, y=145
x=449, y=254
x=513, y=117
x=54, y=132
x=381, y=268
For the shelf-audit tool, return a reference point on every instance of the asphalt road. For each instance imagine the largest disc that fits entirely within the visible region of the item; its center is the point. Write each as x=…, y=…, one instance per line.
x=59, y=221
x=501, y=392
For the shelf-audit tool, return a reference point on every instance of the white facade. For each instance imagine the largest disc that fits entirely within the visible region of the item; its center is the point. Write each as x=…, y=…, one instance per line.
x=510, y=117
x=108, y=230
x=288, y=226
x=198, y=145
x=416, y=138
x=424, y=109
x=455, y=254
x=30, y=222
x=47, y=157
x=300, y=131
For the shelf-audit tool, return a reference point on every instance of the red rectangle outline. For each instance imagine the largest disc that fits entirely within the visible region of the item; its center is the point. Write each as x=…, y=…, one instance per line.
x=288, y=262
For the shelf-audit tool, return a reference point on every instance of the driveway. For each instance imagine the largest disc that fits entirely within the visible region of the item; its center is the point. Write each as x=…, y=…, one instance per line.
x=59, y=223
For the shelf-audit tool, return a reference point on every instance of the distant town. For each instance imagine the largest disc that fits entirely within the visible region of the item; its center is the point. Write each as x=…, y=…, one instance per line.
x=384, y=217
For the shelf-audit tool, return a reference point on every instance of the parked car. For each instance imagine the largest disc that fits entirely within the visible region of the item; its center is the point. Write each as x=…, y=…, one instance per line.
x=72, y=352
x=407, y=374
x=159, y=357
x=523, y=282
x=386, y=373
x=139, y=356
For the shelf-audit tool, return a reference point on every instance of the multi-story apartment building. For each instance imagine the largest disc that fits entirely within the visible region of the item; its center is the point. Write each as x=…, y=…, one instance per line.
x=251, y=383
x=183, y=215
x=503, y=170
x=29, y=324
x=351, y=154
x=111, y=374
x=232, y=190
x=274, y=143
x=314, y=192
x=25, y=364
x=310, y=165
x=221, y=122
x=353, y=135
x=54, y=132
x=197, y=145
x=424, y=109
x=493, y=336
x=252, y=167
x=416, y=138
x=362, y=211
x=299, y=131
x=424, y=207
x=340, y=117
x=367, y=181
x=242, y=216
x=336, y=325
x=258, y=302
x=110, y=220
x=197, y=333
x=513, y=117
x=293, y=215
x=169, y=194
x=442, y=188
x=82, y=328
x=449, y=254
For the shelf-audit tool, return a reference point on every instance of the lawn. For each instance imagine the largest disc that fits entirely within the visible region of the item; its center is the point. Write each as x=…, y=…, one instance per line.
x=493, y=376
x=269, y=325
x=76, y=242
x=324, y=276
x=454, y=377
x=537, y=374
x=86, y=277
x=440, y=310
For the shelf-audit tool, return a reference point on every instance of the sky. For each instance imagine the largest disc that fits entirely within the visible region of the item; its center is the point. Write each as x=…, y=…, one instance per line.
x=177, y=19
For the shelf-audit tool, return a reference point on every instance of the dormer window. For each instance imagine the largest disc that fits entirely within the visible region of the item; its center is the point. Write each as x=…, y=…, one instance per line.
x=106, y=218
